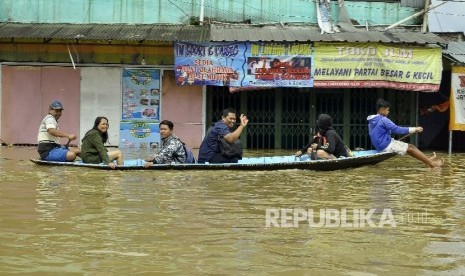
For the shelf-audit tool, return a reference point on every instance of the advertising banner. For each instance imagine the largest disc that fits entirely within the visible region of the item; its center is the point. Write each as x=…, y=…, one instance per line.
x=141, y=108
x=244, y=64
x=139, y=135
x=360, y=65
x=457, y=99
x=141, y=95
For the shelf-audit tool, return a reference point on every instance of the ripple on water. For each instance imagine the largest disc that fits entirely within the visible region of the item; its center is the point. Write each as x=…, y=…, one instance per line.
x=65, y=220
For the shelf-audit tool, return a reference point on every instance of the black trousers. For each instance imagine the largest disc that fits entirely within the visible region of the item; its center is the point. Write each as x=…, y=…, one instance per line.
x=218, y=158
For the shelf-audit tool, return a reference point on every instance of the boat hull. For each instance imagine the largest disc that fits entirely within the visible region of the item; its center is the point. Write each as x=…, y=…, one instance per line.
x=362, y=158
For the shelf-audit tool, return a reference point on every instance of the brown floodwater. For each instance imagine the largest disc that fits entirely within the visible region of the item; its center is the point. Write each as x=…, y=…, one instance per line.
x=395, y=218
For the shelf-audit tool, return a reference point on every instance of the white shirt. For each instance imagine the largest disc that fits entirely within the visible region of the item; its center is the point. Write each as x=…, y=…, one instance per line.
x=48, y=122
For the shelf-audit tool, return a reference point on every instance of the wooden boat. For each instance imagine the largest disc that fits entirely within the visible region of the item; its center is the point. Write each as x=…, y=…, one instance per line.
x=361, y=158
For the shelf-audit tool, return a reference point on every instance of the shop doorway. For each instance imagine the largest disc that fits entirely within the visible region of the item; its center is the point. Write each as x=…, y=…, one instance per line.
x=285, y=118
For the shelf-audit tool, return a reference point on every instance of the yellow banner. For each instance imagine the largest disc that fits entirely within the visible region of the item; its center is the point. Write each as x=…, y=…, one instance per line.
x=377, y=65
x=457, y=99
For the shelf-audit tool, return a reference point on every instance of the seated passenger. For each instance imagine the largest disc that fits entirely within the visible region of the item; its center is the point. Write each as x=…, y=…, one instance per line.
x=49, y=137
x=210, y=149
x=171, y=148
x=327, y=144
x=93, y=148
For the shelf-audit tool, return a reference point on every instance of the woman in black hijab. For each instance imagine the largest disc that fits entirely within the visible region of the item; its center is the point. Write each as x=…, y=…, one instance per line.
x=327, y=144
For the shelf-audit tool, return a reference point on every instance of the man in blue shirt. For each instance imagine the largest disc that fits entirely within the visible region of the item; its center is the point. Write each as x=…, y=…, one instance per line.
x=209, y=149
x=380, y=128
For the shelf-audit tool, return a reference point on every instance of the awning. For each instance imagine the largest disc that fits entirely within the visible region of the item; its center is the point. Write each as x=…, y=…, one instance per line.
x=156, y=33
x=455, y=52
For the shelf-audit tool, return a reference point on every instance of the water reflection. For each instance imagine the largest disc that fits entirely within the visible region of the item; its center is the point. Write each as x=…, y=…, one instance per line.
x=85, y=221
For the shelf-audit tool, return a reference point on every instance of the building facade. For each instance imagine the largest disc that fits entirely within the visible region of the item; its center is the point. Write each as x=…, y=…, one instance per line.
x=80, y=59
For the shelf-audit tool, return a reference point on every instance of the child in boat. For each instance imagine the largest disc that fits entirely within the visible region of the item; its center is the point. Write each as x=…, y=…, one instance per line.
x=93, y=150
x=326, y=144
x=380, y=128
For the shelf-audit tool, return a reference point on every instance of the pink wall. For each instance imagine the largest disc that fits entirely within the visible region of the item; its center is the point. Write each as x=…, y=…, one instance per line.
x=26, y=94
x=183, y=106
x=63, y=84
x=20, y=108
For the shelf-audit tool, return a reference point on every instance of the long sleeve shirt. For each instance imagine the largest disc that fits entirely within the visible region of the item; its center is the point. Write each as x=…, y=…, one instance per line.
x=92, y=149
x=171, y=150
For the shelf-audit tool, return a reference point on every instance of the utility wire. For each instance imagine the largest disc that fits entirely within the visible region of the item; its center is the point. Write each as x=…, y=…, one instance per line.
x=179, y=8
x=211, y=9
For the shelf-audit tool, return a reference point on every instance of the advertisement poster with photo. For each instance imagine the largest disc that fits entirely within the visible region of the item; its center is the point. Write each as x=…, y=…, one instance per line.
x=141, y=95
x=139, y=135
x=244, y=64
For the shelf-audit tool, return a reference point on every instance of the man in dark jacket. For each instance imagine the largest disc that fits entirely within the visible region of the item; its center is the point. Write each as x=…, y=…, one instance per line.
x=210, y=150
x=327, y=144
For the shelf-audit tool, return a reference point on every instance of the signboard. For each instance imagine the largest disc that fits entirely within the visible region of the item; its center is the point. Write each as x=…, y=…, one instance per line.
x=141, y=95
x=360, y=65
x=141, y=108
x=244, y=64
x=457, y=99
x=139, y=135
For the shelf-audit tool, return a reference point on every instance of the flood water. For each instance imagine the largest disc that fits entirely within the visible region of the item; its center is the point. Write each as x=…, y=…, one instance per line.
x=395, y=218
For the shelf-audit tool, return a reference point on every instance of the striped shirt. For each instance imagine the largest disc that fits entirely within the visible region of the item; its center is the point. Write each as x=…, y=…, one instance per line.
x=44, y=136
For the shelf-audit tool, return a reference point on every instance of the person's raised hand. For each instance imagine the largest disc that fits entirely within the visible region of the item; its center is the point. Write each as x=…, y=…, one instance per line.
x=244, y=120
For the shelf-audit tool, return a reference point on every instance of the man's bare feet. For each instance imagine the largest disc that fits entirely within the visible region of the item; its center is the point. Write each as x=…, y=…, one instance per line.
x=435, y=162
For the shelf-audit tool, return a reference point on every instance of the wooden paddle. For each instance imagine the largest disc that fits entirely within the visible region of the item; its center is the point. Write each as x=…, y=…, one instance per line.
x=406, y=136
x=67, y=144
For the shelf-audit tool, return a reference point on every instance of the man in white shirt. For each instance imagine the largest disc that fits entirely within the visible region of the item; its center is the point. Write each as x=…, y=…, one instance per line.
x=49, y=135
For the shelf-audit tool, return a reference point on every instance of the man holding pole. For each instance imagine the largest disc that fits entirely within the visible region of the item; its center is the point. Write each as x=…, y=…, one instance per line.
x=49, y=135
x=380, y=128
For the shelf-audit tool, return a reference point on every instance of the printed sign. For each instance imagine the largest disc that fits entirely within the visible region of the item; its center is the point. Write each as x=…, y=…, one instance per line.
x=141, y=95
x=457, y=99
x=244, y=64
x=356, y=65
x=139, y=135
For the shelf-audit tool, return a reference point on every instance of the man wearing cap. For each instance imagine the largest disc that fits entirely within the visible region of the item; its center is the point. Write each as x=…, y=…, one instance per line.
x=50, y=148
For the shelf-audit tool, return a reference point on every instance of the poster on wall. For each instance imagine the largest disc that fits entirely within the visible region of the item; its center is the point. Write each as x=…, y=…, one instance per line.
x=244, y=64
x=141, y=95
x=457, y=99
x=139, y=135
x=362, y=65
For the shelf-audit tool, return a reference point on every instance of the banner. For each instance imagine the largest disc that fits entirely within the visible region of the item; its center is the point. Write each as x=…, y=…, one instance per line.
x=457, y=99
x=141, y=95
x=139, y=135
x=244, y=64
x=360, y=65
